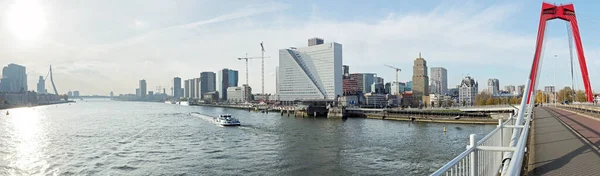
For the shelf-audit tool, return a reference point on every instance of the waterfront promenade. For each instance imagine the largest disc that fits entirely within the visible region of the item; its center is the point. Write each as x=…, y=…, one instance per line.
x=564, y=142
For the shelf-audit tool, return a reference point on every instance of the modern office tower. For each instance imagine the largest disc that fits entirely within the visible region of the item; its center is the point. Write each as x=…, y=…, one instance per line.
x=227, y=78
x=493, y=86
x=439, y=80
x=177, y=91
x=313, y=72
x=208, y=82
x=14, y=79
x=143, y=88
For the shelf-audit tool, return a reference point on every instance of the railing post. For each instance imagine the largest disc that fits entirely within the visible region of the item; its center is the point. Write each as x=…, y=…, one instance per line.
x=473, y=143
x=501, y=126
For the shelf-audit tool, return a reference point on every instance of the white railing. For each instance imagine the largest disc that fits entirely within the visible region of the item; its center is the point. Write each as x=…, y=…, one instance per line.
x=491, y=152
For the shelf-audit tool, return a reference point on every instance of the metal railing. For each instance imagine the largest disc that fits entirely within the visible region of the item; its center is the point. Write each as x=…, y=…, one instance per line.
x=490, y=154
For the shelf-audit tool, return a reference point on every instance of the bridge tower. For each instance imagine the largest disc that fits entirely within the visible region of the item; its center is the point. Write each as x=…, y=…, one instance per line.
x=567, y=13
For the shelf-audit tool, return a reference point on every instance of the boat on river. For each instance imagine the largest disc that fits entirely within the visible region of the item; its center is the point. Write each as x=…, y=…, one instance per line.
x=226, y=120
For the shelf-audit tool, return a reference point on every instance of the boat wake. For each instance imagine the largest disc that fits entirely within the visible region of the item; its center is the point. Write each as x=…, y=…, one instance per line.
x=204, y=117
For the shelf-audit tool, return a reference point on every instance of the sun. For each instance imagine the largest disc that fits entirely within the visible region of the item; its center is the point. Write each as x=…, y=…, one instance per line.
x=25, y=19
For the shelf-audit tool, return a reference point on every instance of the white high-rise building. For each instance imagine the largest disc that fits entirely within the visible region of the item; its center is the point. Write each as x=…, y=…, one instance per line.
x=439, y=81
x=467, y=91
x=313, y=72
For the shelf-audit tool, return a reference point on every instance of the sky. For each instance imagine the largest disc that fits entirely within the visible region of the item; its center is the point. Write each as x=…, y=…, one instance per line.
x=101, y=46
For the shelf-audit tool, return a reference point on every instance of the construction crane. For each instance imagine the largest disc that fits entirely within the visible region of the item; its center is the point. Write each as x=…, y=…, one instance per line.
x=248, y=58
x=397, y=70
x=262, y=68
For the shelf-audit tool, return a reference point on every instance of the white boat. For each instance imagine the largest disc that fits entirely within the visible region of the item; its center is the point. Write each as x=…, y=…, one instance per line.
x=226, y=120
x=184, y=103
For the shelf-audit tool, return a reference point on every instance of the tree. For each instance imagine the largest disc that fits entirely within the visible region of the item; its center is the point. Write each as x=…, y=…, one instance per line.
x=539, y=97
x=489, y=101
x=580, y=96
x=464, y=102
x=565, y=94
x=481, y=99
x=515, y=100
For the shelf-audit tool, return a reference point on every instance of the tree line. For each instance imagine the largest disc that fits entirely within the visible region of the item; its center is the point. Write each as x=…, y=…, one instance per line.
x=565, y=94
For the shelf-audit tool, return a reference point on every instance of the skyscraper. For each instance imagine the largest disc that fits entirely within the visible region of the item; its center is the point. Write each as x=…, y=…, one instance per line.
x=186, y=85
x=192, y=88
x=439, y=80
x=14, y=79
x=368, y=80
x=315, y=41
x=346, y=71
x=549, y=89
x=493, y=86
x=207, y=82
x=227, y=78
x=510, y=89
x=41, y=86
x=358, y=77
x=177, y=93
x=198, y=83
x=313, y=72
x=143, y=88
x=420, y=79
x=520, y=89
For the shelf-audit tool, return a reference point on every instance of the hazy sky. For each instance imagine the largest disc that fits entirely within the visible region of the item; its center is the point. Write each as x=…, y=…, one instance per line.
x=99, y=46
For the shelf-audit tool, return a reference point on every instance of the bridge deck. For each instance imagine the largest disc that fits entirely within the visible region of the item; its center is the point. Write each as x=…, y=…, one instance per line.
x=558, y=150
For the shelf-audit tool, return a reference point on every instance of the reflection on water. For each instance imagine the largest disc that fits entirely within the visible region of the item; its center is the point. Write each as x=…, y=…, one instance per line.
x=101, y=137
x=26, y=141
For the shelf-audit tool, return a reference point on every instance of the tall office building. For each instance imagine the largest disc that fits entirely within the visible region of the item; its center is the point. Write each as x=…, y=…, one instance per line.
x=520, y=89
x=192, y=88
x=208, y=82
x=143, y=88
x=76, y=93
x=420, y=80
x=493, y=86
x=177, y=91
x=197, y=84
x=409, y=86
x=313, y=72
x=397, y=88
x=186, y=85
x=359, y=77
x=315, y=41
x=41, y=86
x=227, y=78
x=549, y=89
x=346, y=71
x=439, y=80
x=14, y=79
x=467, y=91
x=510, y=89
x=368, y=80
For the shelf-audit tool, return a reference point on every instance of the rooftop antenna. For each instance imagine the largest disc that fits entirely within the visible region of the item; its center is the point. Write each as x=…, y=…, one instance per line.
x=420, y=55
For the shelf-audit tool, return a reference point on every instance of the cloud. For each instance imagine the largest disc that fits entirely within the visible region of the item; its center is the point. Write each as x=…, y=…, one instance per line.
x=464, y=38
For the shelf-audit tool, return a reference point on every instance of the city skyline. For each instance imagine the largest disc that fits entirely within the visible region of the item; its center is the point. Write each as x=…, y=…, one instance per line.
x=95, y=61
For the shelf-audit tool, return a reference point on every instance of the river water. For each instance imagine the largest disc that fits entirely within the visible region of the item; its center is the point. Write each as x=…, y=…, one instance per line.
x=103, y=137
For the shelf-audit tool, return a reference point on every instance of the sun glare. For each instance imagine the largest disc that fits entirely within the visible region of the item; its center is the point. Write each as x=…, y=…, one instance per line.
x=26, y=19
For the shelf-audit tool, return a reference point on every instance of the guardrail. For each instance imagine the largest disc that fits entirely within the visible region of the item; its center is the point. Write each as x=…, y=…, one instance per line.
x=490, y=154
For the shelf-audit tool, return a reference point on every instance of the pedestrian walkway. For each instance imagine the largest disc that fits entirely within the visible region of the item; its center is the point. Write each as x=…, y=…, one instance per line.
x=557, y=150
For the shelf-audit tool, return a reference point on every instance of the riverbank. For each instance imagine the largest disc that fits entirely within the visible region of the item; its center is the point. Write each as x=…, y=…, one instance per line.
x=430, y=119
x=2, y=107
x=477, y=121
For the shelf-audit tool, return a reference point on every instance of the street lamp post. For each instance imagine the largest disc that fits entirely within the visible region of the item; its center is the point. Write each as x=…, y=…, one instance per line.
x=555, y=58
